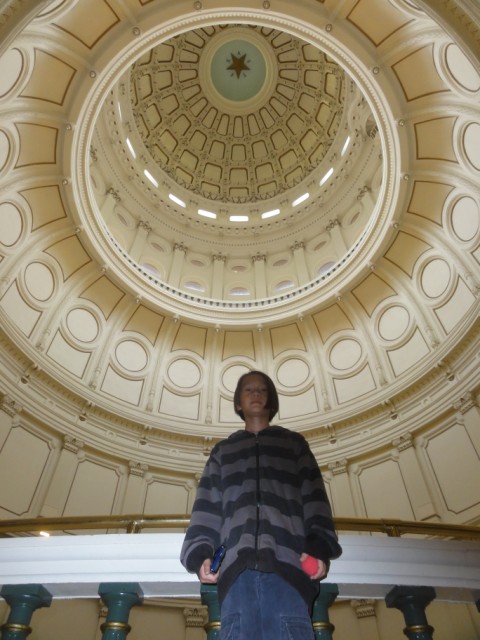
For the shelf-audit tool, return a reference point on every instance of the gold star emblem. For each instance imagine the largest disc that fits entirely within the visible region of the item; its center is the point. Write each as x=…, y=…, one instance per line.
x=238, y=64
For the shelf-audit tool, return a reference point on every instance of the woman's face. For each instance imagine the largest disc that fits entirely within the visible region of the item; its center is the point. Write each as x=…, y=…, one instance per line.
x=254, y=396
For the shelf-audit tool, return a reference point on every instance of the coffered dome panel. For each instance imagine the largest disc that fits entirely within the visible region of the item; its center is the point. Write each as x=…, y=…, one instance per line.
x=236, y=113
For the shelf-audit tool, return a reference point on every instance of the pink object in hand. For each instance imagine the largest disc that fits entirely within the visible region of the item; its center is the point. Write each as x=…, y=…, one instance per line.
x=310, y=565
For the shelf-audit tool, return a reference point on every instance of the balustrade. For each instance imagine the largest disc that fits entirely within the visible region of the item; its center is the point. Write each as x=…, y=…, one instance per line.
x=123, y=569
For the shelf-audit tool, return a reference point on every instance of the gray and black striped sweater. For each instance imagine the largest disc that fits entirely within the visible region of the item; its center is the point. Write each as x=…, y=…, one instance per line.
x=263, y=496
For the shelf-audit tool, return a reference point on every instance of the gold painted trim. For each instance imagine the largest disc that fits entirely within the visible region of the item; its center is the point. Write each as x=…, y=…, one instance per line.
x=119, y=626
x=13, y=626
x=323, y=625
x=418, y=628
x=211, y=625
x=135, y=523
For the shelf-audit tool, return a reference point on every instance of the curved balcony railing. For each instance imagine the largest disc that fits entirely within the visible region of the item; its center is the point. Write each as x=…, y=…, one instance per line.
x=406, y=564
x=137, y=523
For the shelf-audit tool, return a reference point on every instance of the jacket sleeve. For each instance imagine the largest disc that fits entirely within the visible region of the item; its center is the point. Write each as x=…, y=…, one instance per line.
x=203, y=534
x=321, y=539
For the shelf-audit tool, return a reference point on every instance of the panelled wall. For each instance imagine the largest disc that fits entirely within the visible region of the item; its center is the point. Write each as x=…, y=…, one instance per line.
x=432, y=474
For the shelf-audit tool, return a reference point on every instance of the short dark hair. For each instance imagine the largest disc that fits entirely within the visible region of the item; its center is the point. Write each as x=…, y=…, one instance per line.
x=272, y=395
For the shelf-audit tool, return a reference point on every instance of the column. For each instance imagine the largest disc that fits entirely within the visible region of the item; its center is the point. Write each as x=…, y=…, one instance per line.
x=23, y=600
x=119, y=597
x=430, y=479
x=412, y=602
x=108, y=206
x=322, y=627
x=337, y=239
x=342, y=499
x=367, y=619
x=298, y=251
x=140, y=240
x=217, y=277
x=353, y=474
x=176, y=267
x=468, y=414
x=136, y=487
x=209, y=597
x=260, y=276
x=62, y=479
x=417, y=489
x=9, y=415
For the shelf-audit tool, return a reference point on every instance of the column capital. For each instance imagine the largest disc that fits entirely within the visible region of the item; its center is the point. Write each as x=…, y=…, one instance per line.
x=298, y=244
x=137, y=468
x=9, y=405
x=114, y=194
x=179, y=246
x=338, y=467
x=404, y=442
x=194, y=617
x=363, y=608
x=72, y=444
x=144, y=225
x=465, y=402
x=332, y=224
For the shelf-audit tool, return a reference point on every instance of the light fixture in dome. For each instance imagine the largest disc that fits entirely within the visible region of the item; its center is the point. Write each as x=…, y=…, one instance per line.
x=119, y=110
x=270, y=214
x=239, y=291
x=194, y=286
x=150, y=177
x=301, y=199
x=130, y=148
x=326, y=176
x=207, y=214
x=238, y=218
x=174, y=198
x=345, y=146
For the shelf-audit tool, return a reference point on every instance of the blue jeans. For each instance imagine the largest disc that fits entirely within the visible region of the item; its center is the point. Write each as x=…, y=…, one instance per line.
x=262, y=606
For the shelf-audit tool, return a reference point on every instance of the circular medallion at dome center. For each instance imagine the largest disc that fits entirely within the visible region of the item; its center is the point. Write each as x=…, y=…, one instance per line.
x=238, y=70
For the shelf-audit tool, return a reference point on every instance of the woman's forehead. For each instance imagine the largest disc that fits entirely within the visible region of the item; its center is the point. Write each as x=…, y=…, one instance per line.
x=253, y=378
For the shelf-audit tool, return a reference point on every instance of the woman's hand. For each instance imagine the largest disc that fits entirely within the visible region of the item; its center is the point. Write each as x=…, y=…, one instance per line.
x=204, y=574
x=321, y=571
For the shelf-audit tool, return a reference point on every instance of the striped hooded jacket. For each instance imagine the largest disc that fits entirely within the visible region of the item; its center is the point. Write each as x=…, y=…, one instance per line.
x=263, y=496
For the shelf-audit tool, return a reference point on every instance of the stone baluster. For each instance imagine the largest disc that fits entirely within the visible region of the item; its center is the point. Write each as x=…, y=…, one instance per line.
x=209, y=597
x=119, y=597
x=23, y=600
x=322, y=627
x=412, y=602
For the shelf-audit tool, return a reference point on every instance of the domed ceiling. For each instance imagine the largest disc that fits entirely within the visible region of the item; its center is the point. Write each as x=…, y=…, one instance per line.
x=191, y=192
x=235, y=141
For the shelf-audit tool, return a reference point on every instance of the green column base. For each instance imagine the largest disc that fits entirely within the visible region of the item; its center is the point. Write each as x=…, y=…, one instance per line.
x=412, y=601
x=322, y=627
x=119, y=597
x=209, y=597
x=23, y=600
